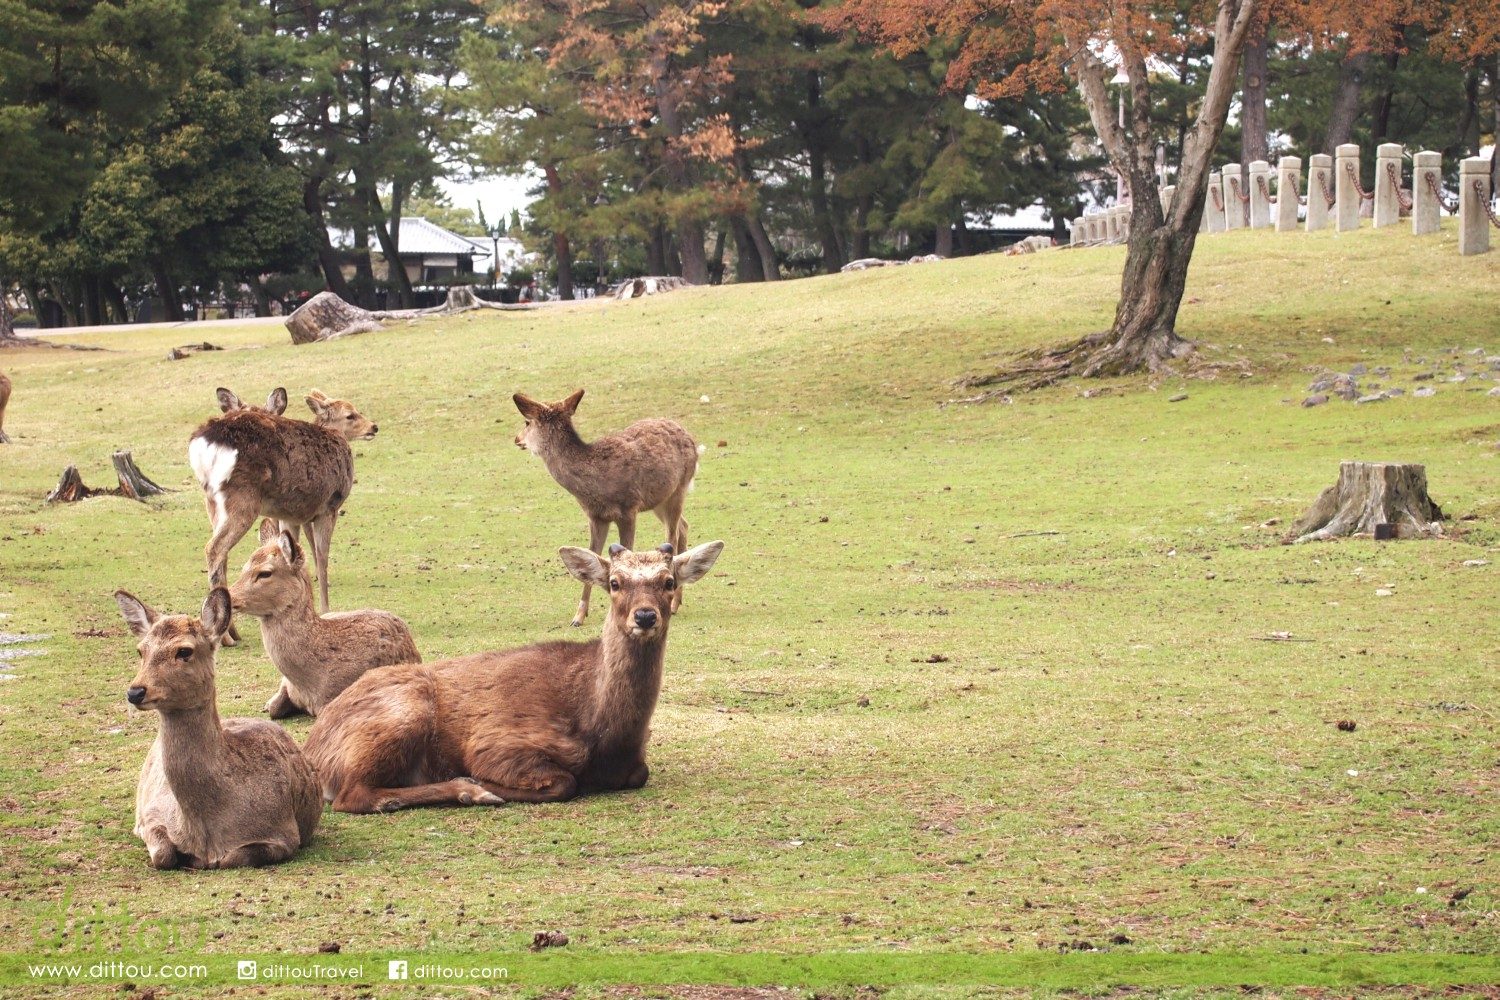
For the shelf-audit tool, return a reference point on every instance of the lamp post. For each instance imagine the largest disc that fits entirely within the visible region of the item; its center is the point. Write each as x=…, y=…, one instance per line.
x=1121, y=80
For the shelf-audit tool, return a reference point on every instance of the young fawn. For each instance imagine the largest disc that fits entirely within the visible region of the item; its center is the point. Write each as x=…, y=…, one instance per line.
x=649, y=465
x=252, y=463
x=318, y=655
x=211, y=794
x=4, y=398
x=536, y=724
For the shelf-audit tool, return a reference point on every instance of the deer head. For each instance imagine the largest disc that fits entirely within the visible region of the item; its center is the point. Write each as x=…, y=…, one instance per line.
x=275, y=402
x=275, y=577
x=641, y=584
x=544, y=419
x=177, y=652
x=340, y=416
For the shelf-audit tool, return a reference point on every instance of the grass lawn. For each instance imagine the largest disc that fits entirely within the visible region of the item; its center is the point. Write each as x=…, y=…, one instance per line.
x=968, y=679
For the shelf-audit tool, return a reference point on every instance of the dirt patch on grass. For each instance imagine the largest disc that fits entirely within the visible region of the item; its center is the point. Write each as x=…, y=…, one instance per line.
x=1013, y=586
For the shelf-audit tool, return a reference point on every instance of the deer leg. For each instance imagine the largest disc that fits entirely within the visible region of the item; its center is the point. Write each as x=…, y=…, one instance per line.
x=281, y=705
x=541, y=784
x=670, y=513
x=626, y=526
x=233, y=514
x=598, y=532
x=320, y=533
x=163, y=852
x=254, y=855
x=357, y=798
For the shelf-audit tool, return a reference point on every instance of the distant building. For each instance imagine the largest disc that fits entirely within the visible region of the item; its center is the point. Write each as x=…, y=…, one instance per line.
x=432, y=255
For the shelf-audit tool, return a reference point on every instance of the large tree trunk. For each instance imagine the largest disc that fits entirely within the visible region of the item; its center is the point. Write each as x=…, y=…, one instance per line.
x=746, y=257
x=328, y=258
x=1345, y=109
x=1143, y=337
x=656, y=249
x=1380, y=127
x=561, y=249
x=7, y=320
x=390, y=246
x=942, y=240
x=166, y=288
x=690, y=240
x=1254, y=144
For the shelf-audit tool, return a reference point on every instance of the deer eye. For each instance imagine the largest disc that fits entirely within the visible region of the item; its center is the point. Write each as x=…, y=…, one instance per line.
x=614, y=584
x=671, y=584
x=349, y=417
x=264, y=574
x=185, y=653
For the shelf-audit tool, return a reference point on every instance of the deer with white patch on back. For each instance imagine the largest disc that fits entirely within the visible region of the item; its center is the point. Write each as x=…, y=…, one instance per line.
x=252, y=463
x=649, y=465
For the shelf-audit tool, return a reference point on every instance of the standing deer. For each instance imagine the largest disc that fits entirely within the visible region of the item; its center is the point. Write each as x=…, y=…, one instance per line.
x=211, y=794
x=4, y=398
x=540, y=723
x=252, y=463
x=275, y=402
x=649, y=465
x=318, y=656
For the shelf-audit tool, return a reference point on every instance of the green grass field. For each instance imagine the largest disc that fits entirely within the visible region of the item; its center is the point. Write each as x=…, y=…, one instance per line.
x=968, y=679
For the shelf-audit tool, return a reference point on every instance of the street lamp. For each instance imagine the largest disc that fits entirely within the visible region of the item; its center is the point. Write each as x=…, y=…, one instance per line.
x=1121, y=80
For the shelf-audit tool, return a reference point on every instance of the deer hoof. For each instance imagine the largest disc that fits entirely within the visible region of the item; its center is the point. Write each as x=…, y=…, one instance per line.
x=388, y=805
x=480, y=797
x=164, y=857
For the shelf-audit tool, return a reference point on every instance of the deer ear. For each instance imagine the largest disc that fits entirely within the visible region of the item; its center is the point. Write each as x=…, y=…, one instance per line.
x=228, y=401
x=268, y=530
x=137, y=615
x=585, y=565
x=216, y=613
x=570, y=405
x=694, y=564
x=317, y=402
x=276, y=401
x=290, y=550
x=530, y=408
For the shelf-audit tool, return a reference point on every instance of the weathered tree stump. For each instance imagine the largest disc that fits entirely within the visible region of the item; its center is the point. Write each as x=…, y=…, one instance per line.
x=134, y=483
x=1367, y=495
x=326, y=316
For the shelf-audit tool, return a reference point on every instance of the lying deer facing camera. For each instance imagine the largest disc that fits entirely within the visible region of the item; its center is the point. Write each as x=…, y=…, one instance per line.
x=211, y=794
x=540, y=723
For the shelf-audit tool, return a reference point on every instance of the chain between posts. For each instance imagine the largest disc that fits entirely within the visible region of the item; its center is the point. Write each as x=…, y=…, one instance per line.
x=1218, y=198
x=1265, y=189
x=1353, y=172
x=1327, y=191
x=1484, y=204
x=1432, y=185
x=1402, y=197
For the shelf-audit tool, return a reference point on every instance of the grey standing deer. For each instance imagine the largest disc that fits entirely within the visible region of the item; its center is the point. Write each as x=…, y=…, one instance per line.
x=649, y=465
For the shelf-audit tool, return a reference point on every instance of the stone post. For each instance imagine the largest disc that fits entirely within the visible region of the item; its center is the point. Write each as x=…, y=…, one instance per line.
x=1346, y=173
x=1319, y=174
x=1077, y=232
x=1387, y=191
x=1426, y=210
x=1473, y=223
x=1288, y=185
x=1213, y=210
x=1167, y=192
x=1234, y=186
x=1122, y=221
x=1260, y=187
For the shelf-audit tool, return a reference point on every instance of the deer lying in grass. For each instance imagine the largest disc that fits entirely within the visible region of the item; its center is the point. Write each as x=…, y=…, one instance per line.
x=211, y=794
x=275, y=402
x=252, y=464
x=649, y=465
x=536, y=724
x=4, y=398
x=318, y=656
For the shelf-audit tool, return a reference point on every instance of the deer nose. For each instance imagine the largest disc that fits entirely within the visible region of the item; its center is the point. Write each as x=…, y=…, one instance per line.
x=645, y=618
x=374, y=428
x=135, y=695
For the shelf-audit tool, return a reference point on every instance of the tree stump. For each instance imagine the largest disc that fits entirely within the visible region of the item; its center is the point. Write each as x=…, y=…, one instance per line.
x=134, y=483
x=1369, y=494
x=326, y=316
x=648, y=286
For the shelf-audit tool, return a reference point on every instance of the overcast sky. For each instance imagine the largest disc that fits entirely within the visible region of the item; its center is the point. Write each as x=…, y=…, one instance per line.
x=498, y=194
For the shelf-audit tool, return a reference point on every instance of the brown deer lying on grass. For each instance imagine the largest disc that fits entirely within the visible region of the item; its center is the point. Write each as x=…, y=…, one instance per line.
x=4, y=398
x=252, y=464
x=211, y=794
x=536, y=724
x=649, y=465
x=275, y=402
x=318, y=656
